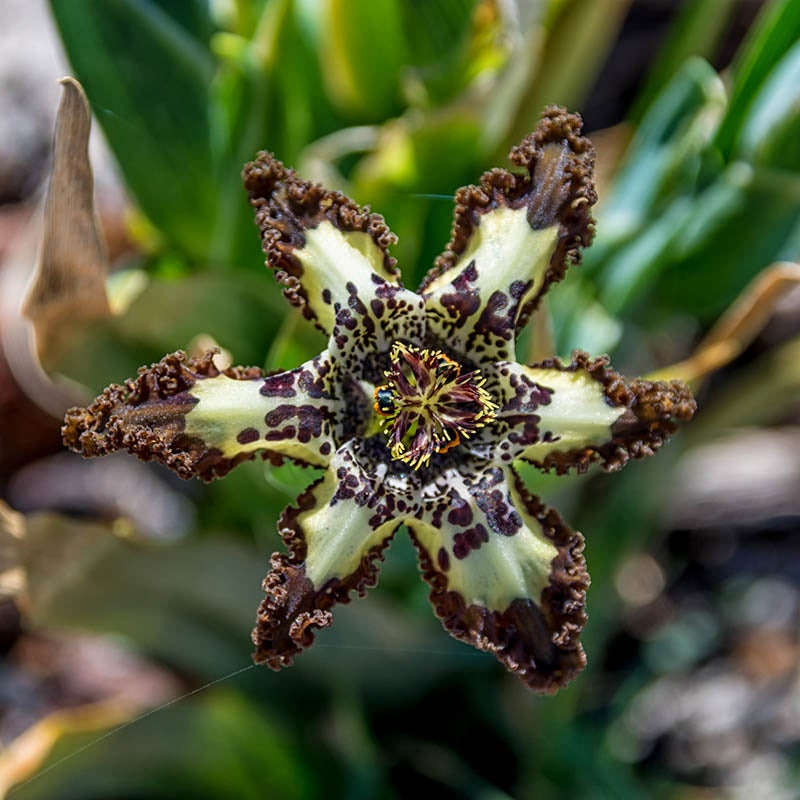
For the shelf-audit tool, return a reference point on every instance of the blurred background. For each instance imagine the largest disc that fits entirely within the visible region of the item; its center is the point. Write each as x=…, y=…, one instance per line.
x=124, y=588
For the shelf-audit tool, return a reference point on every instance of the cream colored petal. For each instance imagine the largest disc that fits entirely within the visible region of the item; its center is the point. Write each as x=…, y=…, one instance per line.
x=336, y=534
x=507, y=575
x=502, y=270
x=567, y=415
x=324, y=248
x=513, y=236
x=201, y=421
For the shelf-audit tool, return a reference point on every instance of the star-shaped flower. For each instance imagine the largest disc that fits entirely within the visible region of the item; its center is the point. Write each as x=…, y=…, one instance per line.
x=417, y=410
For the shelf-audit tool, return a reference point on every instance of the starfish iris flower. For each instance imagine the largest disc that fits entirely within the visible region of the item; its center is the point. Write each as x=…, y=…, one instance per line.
x=417, y=410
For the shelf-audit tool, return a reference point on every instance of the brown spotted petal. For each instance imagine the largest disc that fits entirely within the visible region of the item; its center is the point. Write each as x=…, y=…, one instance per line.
x=507, y=575
x=513, y=236
x=336, y=536
x=333, y=258
x=567, y=416
x=202, y=422
x=324, y=248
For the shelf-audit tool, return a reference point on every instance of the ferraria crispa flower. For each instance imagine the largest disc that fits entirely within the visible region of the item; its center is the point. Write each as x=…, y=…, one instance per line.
x=417, y=410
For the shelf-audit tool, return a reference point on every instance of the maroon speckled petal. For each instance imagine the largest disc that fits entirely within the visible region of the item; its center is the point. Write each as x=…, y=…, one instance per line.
x=325, y=249
x=202, y=422
x=513, y=236
x=333, y=258
x=507, y=575
x=336, y=535
x=565, y=416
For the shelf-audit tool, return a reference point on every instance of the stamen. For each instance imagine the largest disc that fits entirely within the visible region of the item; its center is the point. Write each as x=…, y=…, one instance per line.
x=428, y=406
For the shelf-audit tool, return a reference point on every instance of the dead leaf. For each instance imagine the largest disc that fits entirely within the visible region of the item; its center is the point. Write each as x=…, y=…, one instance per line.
x=738, y=326
x=69, y=285
x=24, y=757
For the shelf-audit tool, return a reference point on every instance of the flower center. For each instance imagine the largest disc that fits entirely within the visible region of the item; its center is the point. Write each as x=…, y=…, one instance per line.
x=427, y=406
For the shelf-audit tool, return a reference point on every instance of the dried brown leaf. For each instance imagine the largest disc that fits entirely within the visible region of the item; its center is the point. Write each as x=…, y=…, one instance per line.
x=69, y=285
x=738, y=326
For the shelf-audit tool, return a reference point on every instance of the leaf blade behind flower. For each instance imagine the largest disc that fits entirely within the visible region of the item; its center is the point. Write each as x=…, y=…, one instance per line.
x=148, y=79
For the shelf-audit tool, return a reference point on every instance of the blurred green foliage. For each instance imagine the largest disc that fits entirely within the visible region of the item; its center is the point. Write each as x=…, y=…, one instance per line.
x=398, y=102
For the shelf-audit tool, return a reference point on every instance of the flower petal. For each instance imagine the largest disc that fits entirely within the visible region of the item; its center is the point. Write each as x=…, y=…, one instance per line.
x=323, y=247
x=203, y=422
x=336, y=534
x=513, y=236
x=566, y=416
x=507, y=575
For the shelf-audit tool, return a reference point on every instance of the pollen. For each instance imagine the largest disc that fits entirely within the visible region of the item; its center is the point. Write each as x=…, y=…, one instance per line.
x=429, y=404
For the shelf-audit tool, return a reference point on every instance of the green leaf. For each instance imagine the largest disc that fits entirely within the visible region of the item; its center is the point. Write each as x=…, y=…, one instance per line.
x=363, y=50
x=579, y=37
x=447, y=45
x=241, y=312
x=776, y=31
x=580, y=322
x=411, y=175
x=696, y=31
x=433, y=29
x=190, y=604
x=738, y=226
x=636, y=265
x=295, y=343
x=771, y=133
x=147, y=79
x=663, y=160
x=267, y=95
x=193, y=16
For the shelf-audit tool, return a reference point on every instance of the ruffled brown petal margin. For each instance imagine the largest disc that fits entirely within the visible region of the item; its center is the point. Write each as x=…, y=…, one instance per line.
x=567, y=416
x=202, y=422
x=513, y=236
x=323, y=247
x=336, y=535
x=507, y=575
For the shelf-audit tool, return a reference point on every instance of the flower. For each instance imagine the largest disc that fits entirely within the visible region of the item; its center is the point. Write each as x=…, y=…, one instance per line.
x=417, y=410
